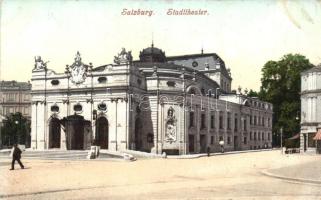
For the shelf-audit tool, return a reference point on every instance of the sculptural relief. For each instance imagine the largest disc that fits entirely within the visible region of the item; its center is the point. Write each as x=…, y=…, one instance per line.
x=78, y=70
x=170, y=135
x=123, y=57
x=39, y=63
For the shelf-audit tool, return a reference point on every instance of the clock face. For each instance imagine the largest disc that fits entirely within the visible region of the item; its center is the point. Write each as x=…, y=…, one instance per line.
x=194, y=64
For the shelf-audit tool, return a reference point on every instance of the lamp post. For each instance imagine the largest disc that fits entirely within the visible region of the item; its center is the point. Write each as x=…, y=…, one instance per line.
x=222, y=146
x=18, y=137
x=281, y=131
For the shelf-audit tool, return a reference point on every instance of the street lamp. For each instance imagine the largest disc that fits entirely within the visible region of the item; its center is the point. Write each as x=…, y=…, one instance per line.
x=297, y=115
x=222, y=146
x=281, y=131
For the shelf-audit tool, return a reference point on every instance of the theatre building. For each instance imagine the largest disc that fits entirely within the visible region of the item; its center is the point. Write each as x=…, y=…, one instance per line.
x=178, y=105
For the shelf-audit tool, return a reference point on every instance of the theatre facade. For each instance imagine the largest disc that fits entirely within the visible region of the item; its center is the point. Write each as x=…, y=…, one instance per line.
x=178, y=105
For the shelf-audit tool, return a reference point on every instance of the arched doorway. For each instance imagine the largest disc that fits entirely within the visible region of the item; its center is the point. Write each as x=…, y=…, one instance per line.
x=138, y=134
x=54, y=133
x=77, y=132
x=102, y=133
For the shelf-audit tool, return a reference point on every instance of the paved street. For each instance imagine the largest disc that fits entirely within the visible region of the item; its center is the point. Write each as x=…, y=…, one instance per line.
x=235, y=176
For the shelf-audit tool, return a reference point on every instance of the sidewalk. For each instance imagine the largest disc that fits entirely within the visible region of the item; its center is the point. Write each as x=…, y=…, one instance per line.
x=307, y=172
x=190, y=156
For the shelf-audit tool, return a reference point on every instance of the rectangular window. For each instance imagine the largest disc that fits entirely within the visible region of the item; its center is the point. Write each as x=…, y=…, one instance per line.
x=311, y=142
x=254, y=120
x=191, y=119
x=11, y=97
x=259, y=135
x=221, y=121
x=212, y=139
x=263, y=136
x=254, y=135
x=212, y=121
x=221, y=138
x=269, y=136
x=263, y=121
x=251, y=137
x=202, y=121
x=245, y=127
x=229, y=121
x=235, y=124
x=245, y=140
x=228, y=140
x=251, y=120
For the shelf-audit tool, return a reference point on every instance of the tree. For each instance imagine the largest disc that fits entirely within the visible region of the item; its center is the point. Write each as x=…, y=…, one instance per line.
x=253, y=93
x=16, y=129
x=281, y=82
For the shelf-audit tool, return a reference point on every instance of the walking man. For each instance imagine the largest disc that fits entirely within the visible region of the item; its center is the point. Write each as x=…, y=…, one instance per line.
x=16, y=156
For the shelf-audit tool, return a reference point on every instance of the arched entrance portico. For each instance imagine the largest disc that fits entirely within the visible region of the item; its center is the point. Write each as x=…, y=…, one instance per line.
x=54, y=133
x=102, y=134
x=78, y=132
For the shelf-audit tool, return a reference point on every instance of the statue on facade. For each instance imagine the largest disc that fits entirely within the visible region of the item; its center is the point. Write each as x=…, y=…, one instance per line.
x=39, y=63
x=78, y=70
x=170, y=135
x=123, y=57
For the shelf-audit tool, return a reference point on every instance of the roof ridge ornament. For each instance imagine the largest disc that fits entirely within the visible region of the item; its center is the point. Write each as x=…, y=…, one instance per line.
x=39, y=64
x=123, y=57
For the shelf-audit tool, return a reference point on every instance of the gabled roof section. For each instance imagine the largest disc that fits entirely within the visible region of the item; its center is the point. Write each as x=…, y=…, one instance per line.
x=201, y=62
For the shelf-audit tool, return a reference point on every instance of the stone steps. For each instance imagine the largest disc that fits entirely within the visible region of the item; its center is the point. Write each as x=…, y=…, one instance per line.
x=58, y=154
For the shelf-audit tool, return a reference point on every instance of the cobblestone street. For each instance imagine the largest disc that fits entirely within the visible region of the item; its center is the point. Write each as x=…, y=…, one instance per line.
x=235, y=176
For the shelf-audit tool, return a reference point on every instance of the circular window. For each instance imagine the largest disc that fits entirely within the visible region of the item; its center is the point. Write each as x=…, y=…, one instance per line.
x=102, y=79
x=102, y=107
x=54, y=108
x=54, y=82
x=194, y=64
x=78, y=108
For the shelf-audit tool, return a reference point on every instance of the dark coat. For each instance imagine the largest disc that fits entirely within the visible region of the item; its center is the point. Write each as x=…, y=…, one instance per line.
x=17, y=153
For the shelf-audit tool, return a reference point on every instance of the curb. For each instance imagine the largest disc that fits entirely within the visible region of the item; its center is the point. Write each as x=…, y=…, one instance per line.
x=266, y=173
x=214, y=154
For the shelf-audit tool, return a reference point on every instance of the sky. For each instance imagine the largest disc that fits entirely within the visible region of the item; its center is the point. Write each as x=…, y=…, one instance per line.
x=245, y=34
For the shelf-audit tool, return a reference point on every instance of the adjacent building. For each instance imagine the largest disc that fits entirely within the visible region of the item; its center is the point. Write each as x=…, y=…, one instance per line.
x=310, y=109
x=177, y=104
x=15, y=97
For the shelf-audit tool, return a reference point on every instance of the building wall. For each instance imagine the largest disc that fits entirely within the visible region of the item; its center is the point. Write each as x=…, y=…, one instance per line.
x=15, y=97
x=310, y=108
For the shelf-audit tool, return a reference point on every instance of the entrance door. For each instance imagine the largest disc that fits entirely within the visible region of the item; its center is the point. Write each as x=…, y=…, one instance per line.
x=236, y=143
x=54, y=133
x=138, y=134
x=74, y=126
x=203, y=143
x=191, y=143
x=304, y=142
x=102, y=132
x=78, y=141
